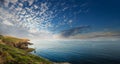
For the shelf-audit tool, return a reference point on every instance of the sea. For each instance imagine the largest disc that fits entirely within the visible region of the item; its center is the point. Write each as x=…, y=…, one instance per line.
x=79, y=52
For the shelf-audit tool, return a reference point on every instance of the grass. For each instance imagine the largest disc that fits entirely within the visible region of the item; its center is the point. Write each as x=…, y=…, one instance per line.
x=12, y=55
x=13, y=39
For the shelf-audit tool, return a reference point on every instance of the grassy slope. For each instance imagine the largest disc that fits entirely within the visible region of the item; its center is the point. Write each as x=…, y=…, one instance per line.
x=10, y=39
x=12, y=55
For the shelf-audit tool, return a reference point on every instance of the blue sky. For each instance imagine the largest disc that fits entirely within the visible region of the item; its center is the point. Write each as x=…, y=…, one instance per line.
x=58, y=18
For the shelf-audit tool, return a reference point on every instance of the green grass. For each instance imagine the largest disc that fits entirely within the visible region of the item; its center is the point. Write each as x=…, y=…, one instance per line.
x=1, y=37
x=12, y=39
x=12, y=55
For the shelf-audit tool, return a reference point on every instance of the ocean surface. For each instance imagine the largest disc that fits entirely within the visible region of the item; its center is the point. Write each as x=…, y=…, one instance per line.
x=79, y=52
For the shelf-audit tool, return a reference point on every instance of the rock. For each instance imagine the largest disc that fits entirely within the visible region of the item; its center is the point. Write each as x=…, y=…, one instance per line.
x=16, y=42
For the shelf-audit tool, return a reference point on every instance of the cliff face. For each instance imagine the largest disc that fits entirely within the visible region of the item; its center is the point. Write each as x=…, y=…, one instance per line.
x=15, y=51
x=16, y=42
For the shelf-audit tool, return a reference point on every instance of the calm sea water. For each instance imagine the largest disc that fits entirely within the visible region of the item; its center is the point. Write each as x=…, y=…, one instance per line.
x=80, y=52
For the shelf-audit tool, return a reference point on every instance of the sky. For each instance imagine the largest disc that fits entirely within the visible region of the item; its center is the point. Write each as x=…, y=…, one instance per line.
x=60, y=19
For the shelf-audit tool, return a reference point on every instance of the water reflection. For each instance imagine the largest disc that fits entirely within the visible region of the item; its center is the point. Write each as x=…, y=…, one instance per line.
x=80, y=52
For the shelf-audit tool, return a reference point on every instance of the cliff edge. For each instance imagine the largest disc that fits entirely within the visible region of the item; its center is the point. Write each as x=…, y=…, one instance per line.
x=15, y=51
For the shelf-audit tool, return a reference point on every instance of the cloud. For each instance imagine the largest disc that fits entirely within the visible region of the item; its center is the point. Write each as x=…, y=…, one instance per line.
x=70, y=21
x=84, y=4
x=12, y=30
x=24, y=18
x=1, y=3
x=23, y=25
x=27, y=17
x=20, y=4
x=30, y=2
x=98, y=36
x=74, y=31
x=103, y=34
x=6, y=2
x=13, y=1
x=7, y=23
x=92, y=36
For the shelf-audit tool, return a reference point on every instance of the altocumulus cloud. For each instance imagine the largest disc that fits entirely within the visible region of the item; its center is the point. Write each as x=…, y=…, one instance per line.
x=24, y=17
x=22, y=20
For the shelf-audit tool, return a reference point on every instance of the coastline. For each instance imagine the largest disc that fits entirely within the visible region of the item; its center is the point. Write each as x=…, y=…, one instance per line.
x=16, y=51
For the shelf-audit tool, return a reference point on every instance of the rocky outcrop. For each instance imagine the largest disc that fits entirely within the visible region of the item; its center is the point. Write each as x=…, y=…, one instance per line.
x=16, y=42
x=15, y=51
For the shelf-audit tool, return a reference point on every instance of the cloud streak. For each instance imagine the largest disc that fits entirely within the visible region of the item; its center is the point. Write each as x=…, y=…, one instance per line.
x=74, y=31
x=101, y=35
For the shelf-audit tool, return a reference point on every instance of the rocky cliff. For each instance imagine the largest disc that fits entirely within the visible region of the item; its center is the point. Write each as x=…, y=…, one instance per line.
x=15, y=51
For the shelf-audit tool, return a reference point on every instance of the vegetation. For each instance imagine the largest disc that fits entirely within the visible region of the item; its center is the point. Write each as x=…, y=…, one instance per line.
x=11, y=53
